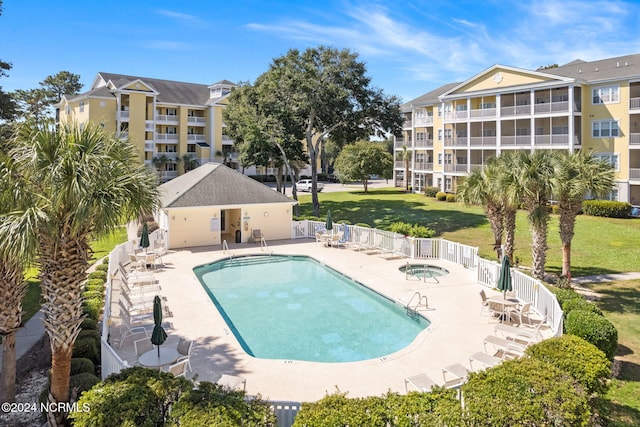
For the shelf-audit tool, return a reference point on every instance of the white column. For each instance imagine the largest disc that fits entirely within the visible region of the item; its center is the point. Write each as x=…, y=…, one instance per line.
x=571, y=119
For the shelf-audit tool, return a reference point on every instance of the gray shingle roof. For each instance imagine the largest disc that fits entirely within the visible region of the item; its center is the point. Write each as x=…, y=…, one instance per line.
x=214, y=184
x=429, y=97
x=623, y=67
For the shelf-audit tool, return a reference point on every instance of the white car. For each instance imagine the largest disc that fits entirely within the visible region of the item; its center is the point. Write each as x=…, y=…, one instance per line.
x=305, y=185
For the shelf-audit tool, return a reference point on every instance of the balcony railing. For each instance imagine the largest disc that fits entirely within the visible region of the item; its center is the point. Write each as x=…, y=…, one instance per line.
x=199, y=121
x=458, y=141
x=167, y=118
x=515, y=140
x=196, y=138
x=552, y=140
x=424, y=121
x=634, y=139
x=455, y=168
x=476, y=166
x=226, y=140
x=166, y=137
x=149, y=126
x=169, y=155
x=634, y=173
x=407, y=124
x=456, y=115
x=424, y=143
x=149, y=146
x=123, y=116
x=424, y=166
x=482, y=141
x=634, y=103
x=551, y=107
x=515, y=110
x=485, y=113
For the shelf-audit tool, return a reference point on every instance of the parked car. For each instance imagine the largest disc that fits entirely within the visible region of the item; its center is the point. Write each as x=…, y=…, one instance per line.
x=305, y=185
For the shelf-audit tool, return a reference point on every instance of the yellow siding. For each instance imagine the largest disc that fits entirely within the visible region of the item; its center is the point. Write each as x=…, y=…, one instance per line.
x=137, y=117
x=509, y=78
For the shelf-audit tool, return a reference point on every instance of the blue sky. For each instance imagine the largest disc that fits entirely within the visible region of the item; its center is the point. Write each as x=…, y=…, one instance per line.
x=410, y=48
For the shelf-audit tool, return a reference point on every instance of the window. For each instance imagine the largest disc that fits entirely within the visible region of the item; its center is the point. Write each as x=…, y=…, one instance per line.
x=610, y=158
x=68, y=109
x=560, y=97
x=439, y=158
x=439, y=134
x=606, y=95
x=487, y=105
x=448, y=159
x=522, y=131
x=82, y=106
x=560, y=130
x=172, y=111
x=191, y=148
x=462, y=133
x=421, y=136
x=172, y=130
x=448, y=133
x=605, y=128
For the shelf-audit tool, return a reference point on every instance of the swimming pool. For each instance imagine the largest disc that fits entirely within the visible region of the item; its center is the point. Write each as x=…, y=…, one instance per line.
x=295, y=308
x=423, y=271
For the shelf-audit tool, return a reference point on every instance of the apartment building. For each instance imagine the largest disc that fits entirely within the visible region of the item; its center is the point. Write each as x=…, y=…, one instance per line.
x=175, y=126
x=581, y=105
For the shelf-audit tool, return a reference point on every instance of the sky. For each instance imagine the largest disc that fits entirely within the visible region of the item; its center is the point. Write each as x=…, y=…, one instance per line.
x=409, y=47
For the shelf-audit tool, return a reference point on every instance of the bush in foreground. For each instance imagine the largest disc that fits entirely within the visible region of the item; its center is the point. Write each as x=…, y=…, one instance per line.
x=595, y=329
x=584, y=361
x=525, y=392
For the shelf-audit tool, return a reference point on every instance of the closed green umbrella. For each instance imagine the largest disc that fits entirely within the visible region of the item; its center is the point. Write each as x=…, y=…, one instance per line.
x=158, y=336
x=504, y=280
x=144, y=237
x=329, y=224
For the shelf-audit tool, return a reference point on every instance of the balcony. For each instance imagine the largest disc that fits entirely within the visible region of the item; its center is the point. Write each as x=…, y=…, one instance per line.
x=167, y=175
x=453, y=116
x=226, y=140
x=424, y=121
x=634, y=103
x=407, y=124
x=551, y=107
x=169, y=155
x=196, y=121
x=455, y=168
x=634, y=139
x=483, y=113
x=196, y=138
x=149, y=126
x=167, y=138
x=149, y=146
x=167, y=118
x=400, y=142
x=123, y=116
x=482, y=141
x=398, y=164
x=424, y=166
x=421, y=143
x=476, y=166
x=562, y=139
x=515, y=110
x=634, y=174
x=458, y=141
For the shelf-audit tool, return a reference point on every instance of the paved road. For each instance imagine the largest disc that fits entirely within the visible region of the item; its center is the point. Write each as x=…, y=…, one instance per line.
x=331, y=187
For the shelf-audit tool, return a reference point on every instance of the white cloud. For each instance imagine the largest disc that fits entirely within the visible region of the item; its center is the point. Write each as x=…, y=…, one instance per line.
x=182, y=18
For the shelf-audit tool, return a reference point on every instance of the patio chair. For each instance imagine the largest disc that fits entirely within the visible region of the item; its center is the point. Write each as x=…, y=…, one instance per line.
x=257, y=235
x=127, y=329
x=516, y=334
x=142, y=305
x=184, y=348
x=232, y=382
x=488, y=307
x=135, y=263
x=484, y=358
x=421, y=381
x=146, y=292
x=142, y=346
x=503, y=345
x=135, y=276
x=522, y=312
x=334, y=241
x=159, y=249
x=135, y=318
x=178, y=369
x=459, y=374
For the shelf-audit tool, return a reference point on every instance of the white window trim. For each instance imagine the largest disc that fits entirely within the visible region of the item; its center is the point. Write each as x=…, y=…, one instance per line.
x=593, y=122
x=600, y=156
x=600, y=88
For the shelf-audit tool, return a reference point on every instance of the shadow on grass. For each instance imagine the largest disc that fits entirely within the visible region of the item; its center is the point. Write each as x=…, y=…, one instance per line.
x=619, y=299
x=622, y=415
x=629, y=371
x=382, y=213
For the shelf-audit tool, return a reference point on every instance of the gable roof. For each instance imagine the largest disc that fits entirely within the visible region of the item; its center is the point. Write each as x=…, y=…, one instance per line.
x=428, y=98
x=620, y=67
x=214, y=184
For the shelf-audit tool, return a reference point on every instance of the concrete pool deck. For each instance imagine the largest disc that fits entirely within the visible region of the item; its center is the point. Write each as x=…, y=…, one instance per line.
x=457, y=327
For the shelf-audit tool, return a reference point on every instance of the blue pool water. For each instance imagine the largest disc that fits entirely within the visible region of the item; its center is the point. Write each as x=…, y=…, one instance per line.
x=295, y=308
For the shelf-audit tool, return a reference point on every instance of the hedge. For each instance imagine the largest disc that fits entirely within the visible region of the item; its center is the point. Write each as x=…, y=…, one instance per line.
x=98, y=275
x=80, y=365
x=102, y=267
x=595, y=329
x=82, y=382
x=86, y=348
x=92, y=307
x=431, y=191
x=438, y=408
x=580, y=304
x=412, y=230
x=524, y=392
x=441, y=196
x=606, y=208
x=89, y=324
x=584, y=361
x=451, y=198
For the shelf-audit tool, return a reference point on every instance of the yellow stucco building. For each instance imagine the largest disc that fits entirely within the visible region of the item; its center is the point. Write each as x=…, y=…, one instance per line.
x=175, y=126
x=582, y=105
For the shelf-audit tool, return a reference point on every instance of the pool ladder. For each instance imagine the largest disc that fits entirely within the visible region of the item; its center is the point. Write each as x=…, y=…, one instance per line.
x=225, y=249
x=412, y=311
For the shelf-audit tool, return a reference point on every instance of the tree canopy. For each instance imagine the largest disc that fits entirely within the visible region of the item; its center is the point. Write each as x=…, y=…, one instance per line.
x=325, y=92
x=357, y=162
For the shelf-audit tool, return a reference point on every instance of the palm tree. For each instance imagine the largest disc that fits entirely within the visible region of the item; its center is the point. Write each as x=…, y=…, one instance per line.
x=13, y=287
x=504, y=177
x=532, y=184
x=82, y=184
x=577, y=175
x=478, y=189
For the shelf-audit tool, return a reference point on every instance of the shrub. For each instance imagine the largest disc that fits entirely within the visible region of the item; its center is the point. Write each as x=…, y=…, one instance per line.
x=88, y=324
x=563, y=295
x=431, y=191
x=401, y=228
x=606, y=208
x=586, y=363
x=441, y=196
x=102, y=275
x=96, y=285
x=102, y=267
x=105, y=260
x=80, y=365
x=92, y=307
x=438, y=408
x=579, y=304
x=90, y=294
x=93, y=334
x=555, y=209
x=95, y=282
x=82, y=382
x=362, y=224
x=86, y=348
x=595, y=329
x=451, y=198
x=526, y=391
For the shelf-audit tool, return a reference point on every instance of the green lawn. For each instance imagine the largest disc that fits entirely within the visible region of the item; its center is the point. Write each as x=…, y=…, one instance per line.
x=600, y=245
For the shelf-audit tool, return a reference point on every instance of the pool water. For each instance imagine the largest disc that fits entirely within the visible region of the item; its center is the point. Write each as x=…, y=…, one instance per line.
x=295, y=308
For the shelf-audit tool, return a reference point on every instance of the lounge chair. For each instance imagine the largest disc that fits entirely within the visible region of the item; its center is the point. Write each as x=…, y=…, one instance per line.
x=362, y=242
x=454, y=375
x=232, y=382
x=397, y=250
x=142, y=305
x=503, y=345
x=146, y=292
x=518, y=334
x=135, y=277
x=484, y=358
x=421, y=381
x=334, y=241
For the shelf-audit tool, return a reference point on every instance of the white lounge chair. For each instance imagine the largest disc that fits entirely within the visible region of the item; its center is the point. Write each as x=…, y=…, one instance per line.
x=422, y=382
x=454, y=375
x=232, y=382
x=523, y=312
x=503, y=345
x=484, y=358
x=518, y=334
x=397, y=250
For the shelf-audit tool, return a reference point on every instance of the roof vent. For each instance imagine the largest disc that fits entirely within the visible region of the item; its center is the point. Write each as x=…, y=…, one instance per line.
x=596, y=69
x=617, y=65
x=625, y=63
x=580, y=71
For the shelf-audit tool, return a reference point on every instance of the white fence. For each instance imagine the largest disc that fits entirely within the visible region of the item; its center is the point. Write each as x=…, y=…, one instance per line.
x=526, y=288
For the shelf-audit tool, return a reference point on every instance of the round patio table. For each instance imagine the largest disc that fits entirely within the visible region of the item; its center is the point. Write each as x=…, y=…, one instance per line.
x=150, y=359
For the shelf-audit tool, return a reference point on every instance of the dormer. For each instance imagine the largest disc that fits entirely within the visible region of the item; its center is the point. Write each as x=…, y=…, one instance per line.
x=220, y=89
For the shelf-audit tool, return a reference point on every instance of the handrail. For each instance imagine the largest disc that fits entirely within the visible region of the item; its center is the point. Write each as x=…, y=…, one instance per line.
x=414, y=310
x=264, y=247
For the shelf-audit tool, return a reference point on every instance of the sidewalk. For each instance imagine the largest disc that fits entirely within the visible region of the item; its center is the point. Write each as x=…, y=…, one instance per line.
x=28, y=335
x=613, y=277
